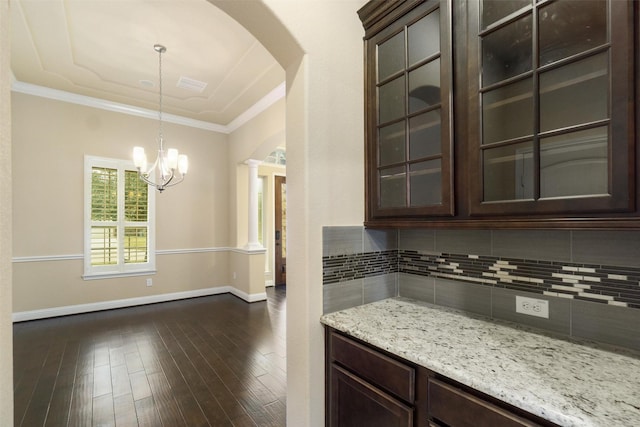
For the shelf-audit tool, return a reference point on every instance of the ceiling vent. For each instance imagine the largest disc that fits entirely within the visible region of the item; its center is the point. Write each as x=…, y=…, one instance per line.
x=191, y=84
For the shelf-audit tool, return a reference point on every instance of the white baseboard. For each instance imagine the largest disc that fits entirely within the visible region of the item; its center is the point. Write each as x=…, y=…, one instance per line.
x=248, y=297
x=23, y=316
x=269, y=283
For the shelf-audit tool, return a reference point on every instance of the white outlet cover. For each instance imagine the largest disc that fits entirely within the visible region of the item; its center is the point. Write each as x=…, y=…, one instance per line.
x=532, y=306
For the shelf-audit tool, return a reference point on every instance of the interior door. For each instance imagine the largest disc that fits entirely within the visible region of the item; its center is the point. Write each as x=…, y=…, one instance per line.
x=281, y=230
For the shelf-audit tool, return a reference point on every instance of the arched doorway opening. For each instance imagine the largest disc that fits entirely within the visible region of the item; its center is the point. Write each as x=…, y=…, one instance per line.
x=259, y=20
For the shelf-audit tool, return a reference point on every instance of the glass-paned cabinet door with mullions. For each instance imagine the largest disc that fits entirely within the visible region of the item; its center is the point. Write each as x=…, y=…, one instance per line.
x=553, y=102
x=409, y=139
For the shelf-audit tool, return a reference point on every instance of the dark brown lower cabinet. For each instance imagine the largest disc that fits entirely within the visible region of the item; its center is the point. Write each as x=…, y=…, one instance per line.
x=366, y=386
x=356, y=403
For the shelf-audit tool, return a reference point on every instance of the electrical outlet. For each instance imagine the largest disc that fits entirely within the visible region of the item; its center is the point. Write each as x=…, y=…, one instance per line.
x=149, y=282
x=234, y=275
x=532, y=306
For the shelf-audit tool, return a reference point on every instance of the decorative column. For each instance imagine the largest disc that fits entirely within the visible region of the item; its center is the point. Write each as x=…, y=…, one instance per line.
x=253, y=242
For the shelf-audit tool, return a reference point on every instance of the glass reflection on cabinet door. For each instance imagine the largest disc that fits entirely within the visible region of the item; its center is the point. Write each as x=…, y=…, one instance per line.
x=575, y=164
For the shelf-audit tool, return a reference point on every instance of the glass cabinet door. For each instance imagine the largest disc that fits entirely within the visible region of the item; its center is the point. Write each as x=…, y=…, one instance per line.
x=409, y=138
x=551, y=101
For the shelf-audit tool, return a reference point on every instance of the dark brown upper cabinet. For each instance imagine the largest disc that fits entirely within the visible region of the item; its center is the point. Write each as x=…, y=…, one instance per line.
x=502, y=113
x=550, y=107
x=408, y=76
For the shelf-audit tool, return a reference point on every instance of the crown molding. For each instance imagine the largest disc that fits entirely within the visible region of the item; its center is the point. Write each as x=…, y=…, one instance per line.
x=87, y=101
x=267, y=101
x=60, y=95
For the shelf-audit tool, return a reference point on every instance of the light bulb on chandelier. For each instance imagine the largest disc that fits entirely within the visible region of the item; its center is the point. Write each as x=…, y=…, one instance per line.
x=170, y=167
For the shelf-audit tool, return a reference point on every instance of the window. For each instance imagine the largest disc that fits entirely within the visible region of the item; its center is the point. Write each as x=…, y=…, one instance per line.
x=119, y=224
x=277, y=157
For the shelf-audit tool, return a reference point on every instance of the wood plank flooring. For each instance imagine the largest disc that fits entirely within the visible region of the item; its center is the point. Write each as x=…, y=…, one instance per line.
x=210, y=361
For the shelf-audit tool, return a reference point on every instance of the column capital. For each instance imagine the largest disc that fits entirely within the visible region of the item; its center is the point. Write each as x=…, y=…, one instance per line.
x=253, y=162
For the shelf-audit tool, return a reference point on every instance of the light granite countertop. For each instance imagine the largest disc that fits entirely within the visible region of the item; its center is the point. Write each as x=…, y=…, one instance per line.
x=567, y=382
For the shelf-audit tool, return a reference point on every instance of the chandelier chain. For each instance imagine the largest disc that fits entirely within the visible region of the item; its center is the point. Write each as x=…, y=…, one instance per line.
x=160, y=101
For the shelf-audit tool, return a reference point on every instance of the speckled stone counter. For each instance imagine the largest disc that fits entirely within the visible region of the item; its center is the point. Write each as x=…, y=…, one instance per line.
x=567, y=382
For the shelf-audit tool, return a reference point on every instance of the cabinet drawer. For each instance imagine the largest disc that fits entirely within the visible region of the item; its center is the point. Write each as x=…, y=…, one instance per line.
x=357, y=403
x=457, y=408
x=380, y=370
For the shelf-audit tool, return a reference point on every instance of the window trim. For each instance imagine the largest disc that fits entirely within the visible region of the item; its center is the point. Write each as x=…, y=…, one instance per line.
x=120, y=269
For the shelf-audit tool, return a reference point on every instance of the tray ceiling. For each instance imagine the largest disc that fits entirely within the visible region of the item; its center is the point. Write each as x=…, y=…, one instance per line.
x=104, y=49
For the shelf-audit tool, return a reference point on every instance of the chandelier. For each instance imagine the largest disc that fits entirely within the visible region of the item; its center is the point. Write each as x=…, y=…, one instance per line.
x=170, y=167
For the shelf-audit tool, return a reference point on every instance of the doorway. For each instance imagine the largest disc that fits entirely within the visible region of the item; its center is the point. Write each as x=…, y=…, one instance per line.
x=280, y=230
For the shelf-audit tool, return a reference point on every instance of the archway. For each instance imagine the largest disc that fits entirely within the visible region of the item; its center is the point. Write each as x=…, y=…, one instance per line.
x=258, y=19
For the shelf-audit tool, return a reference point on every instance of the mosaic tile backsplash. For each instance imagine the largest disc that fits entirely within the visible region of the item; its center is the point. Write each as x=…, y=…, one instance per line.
x=341, y=268
x=595, y=283
x=591, y=278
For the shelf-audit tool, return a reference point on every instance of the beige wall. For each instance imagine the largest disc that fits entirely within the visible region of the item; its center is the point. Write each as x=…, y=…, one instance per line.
x=260, y=136
x=247, y=274
x=50, y=139
x=6, y=340
x=242, y=205
x=239, y=205
x=254, y=140
x=319, y=43
x=44, y=285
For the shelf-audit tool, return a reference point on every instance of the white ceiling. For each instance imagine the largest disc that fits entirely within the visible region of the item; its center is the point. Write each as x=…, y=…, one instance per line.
x=104, y=49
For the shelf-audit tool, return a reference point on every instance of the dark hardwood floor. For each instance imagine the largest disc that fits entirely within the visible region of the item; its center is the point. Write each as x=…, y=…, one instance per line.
x=210, y=361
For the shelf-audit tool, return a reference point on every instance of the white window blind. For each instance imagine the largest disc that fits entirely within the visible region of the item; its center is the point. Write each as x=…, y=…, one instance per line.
x=119, y=220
